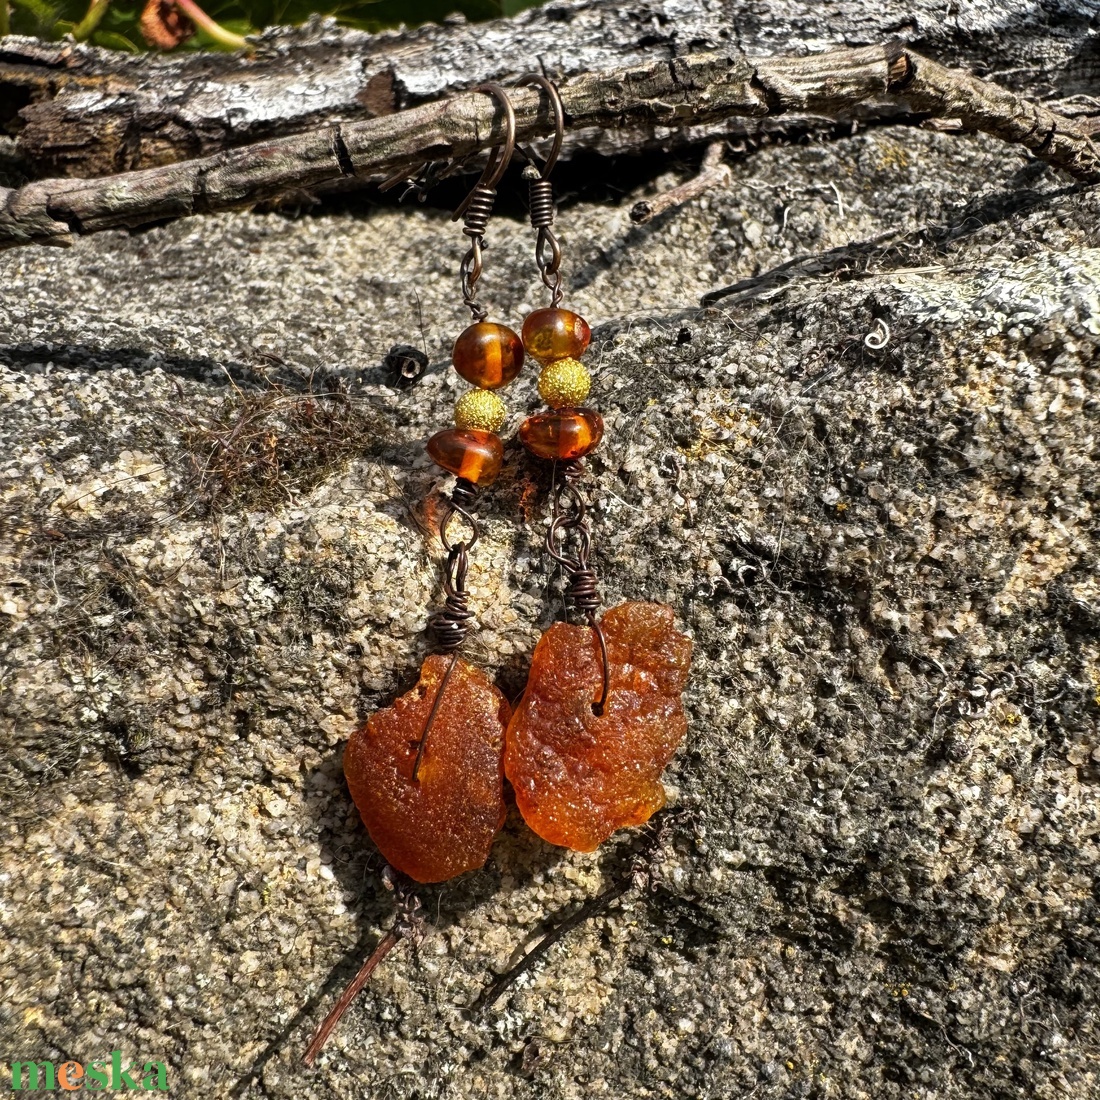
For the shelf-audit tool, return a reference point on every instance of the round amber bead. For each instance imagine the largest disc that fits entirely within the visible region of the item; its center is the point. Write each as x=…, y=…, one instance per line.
x=475, y=456
x=488, y=355
x=562, y=435
x=550, y=334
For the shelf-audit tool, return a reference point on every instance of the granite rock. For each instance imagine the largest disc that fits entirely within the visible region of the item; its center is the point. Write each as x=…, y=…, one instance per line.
x=864, y=481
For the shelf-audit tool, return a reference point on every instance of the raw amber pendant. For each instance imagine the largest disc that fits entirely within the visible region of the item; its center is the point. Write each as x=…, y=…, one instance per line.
x=443, y=822
x=579, y=777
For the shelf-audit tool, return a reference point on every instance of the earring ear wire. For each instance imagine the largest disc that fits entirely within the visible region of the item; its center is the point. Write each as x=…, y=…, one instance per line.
x=541, y=191
x=499, y=157
x=476, y=209
x=558, y=109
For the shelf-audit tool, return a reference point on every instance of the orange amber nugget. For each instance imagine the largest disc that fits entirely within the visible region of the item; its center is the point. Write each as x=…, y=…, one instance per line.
x=488, y=355
x=550, y=334
x=579, y=777
x=571, y=433
x=444, y=822
x=474, y=455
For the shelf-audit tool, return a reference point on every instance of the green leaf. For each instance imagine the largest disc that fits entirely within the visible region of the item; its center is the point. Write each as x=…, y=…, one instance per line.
x=120, y=28
x=36, y=17
x=112, y=40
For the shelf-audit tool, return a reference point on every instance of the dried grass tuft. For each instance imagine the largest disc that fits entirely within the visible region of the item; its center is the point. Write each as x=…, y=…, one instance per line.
x=258, y=447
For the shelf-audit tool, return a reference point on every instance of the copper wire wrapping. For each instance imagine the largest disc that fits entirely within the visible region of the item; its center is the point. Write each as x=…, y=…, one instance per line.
x=479, y=211
x=582, y=589
x=541, y=192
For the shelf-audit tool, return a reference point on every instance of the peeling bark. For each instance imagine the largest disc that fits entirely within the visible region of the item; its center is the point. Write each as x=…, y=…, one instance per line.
x=690, y=91
x=81, y=111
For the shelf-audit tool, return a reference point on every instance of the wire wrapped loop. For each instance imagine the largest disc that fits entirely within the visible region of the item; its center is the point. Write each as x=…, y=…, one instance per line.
x=451, y=623
x=469, y=273
x=582, y=591
x=582, y=588
x=548, y=257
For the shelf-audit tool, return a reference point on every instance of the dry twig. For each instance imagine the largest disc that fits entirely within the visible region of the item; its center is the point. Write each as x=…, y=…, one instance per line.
x=388, y=942
x=712, y=173
x=408, y=924
x=591, y=908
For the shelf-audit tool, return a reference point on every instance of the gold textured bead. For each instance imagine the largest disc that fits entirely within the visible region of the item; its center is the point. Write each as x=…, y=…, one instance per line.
x=564, y=383
x=480, y=411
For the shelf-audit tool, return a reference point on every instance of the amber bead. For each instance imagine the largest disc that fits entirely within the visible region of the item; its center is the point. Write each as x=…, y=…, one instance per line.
x=443, y=822
x=562, y=435
x=488, y=355
x=579, y=776
x=475, y=456
x=550, y=334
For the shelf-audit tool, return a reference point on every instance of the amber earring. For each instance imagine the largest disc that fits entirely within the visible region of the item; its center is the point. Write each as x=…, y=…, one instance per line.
x=426, y=773
x=601, y=715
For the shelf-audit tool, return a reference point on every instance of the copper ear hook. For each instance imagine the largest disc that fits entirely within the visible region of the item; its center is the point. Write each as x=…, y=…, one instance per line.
x=558, y=108
x=547, y=248
x=498, y=158
x=477, y=207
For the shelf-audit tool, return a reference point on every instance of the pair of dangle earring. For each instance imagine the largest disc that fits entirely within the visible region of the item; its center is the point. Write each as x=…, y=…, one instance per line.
x=601, y=714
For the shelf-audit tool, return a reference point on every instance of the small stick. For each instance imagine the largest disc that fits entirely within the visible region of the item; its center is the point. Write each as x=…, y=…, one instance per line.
x=391, y=939
x=212, y=27
x=84, y=30
x=590, y=909
x=408, y=923
x=638, y=874
x=713, y=172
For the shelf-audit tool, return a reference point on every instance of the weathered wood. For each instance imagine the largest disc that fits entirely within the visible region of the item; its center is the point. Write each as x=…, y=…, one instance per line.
x=81, y=111
x=689, y=91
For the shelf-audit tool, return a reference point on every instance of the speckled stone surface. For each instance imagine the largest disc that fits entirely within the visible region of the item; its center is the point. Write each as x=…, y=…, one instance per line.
x=880, y=868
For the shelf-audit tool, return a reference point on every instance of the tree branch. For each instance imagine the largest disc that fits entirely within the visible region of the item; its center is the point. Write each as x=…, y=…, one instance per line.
x=688, y=91
x=75, y=110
